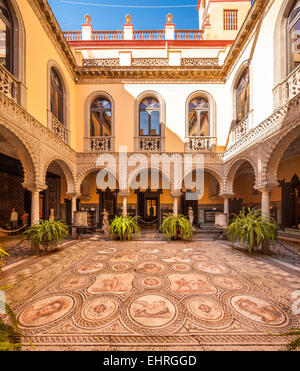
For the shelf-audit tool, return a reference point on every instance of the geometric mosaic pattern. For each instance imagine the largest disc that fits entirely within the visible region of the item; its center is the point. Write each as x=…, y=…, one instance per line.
x=152, y=296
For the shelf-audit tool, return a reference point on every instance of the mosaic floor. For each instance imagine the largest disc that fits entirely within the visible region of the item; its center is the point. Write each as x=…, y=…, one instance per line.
x=99, y=295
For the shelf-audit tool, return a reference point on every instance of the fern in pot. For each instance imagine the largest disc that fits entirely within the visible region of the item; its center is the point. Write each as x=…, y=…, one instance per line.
x=251, y=228
x=124, y=228
x=45, y=235
x=177, y=227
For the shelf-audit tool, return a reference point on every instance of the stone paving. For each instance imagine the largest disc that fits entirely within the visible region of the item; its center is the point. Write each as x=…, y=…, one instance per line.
x=152, y=295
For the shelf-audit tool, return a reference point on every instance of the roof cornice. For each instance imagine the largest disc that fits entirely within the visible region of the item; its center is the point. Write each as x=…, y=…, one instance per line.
x=202, y=73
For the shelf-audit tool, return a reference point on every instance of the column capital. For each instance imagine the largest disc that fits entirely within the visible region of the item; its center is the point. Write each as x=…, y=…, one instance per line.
x=73, y=195
x=35, y=187
x=226, y=196
x=268, y=187
x=176, y=193
x=124, y=193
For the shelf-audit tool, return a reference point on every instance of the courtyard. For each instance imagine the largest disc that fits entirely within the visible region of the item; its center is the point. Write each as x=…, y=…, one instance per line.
x=151, y=295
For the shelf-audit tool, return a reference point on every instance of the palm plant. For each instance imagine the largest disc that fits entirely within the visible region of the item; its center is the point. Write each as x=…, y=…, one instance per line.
x=177, y=226
x=250, y=227
x=10, y=336
x=124, y=228
x=3, y=254
x=47, y=233
x=294, y=344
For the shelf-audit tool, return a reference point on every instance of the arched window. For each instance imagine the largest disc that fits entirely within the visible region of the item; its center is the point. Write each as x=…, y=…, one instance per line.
x=242, y=96
x=101, y=118
x=6, y=37
x=57, y=96
x=149, y=112
x=199, y=117
x=293, y=35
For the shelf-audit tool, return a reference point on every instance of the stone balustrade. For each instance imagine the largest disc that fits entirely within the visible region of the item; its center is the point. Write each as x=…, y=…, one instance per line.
x=8, y=84
x=59, y=129
x=291, y=85
x=152, y=144
x=239, y=130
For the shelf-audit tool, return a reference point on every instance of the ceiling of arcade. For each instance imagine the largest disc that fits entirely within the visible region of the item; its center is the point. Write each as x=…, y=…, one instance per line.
x=201, y=73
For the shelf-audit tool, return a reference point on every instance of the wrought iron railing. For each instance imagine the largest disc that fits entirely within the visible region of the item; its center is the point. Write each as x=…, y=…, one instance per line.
x=99, y=144
x=8, y=84
x=198, y=144
x=152, y=144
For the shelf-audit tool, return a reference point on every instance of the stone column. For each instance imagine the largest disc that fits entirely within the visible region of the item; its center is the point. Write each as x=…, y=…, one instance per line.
x=124, y=195
x=265, y=204
x=175, y=196
x=226, y=197
x=73, y=197
x=35, y=206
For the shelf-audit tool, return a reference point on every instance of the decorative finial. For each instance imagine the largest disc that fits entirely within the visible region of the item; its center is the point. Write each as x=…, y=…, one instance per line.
x=169, y=18
x=88, y=19
x=128, y=19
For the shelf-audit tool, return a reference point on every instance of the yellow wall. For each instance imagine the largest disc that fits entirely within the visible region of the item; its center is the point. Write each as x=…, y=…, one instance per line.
x=36, y=67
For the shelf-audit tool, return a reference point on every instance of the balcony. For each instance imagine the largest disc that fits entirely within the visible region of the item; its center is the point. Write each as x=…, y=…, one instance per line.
x=59, y=129
x=239, y=131
x=291, y=85
x=99, y=144
x=8, y=84
x=199, y=144
x=150, y=144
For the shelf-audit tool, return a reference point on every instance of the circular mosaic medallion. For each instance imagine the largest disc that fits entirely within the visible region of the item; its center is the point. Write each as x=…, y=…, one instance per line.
x=211, y=268
x=207, y=312
x=257, y=310
x=149, y=257
x=152, y=311
x=46, y=310
x=99, y=258
x=175, y=257
x=75, y=283
x=180, y=267
x=152, y=282
x=227, y=283
x=120, y=267
x=89, y=267
x=107, y=250
x=100, y=309
x=205, y=309
x=151, y=267
x=201, y=258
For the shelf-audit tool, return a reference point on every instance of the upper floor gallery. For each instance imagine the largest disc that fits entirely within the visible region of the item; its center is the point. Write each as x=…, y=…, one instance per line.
x=169, y=90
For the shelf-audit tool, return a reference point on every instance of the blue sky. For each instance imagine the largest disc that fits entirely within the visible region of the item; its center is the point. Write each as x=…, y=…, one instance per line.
x=70, y=15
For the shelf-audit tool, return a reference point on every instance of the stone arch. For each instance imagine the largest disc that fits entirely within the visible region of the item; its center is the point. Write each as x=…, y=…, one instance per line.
x=134, y=173
x=212, y=111
x=271, y=164
x=28, y=159
x=231, y=170
x=67, y=169
x=87, y=116
x=84, y=173
x=145, y=94
x=66, y=93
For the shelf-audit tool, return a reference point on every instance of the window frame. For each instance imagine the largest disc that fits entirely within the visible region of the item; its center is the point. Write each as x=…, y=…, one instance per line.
x=228, y=21
x=8, y=21
x=238, y=92
x=198, y=116
x=101, y=111
x=54, y=91
x=289, y=26
x=150, y=111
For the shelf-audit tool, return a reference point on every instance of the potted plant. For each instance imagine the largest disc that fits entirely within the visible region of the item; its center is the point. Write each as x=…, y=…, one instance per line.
x=251, y=228
x=45, y=235
x=176, y=227
x=124, y=228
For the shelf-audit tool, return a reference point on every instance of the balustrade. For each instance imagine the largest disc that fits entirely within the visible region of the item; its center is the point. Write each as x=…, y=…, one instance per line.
x=152, y=144
x=8, y=84
x=59, y=129
x=100, y=144
x=198, y=144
